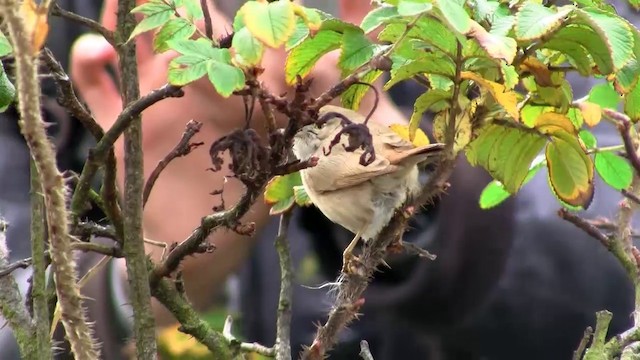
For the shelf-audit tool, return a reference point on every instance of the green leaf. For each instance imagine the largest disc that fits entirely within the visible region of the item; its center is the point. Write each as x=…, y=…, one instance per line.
x=156, y=13
x=534, y=21
x=300, y=33
x=605, y=96
x=455, y=15
x=589, y=40
x=570, y=170
x=422, y=104
x=337, y=25
x=303, y=57
x=272, y=23
x=426, y=64
x=355, y=93
x=588, y=139
x=225, y=77
x=356, y=50
x=194, y=10
x=7, y=90
x=505, y=153
x=495, y=193
x=377, y=17
x=177, y=28
x=632, y=103
x=5, y=46
x=614, y=170
x=615, y=32
x=301, y=196
x=413, y=7
x=280, y=192
x=248, y=49
x=199, y=57
x=576, y=54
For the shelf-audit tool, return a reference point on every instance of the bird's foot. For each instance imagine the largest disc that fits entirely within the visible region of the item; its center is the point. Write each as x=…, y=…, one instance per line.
x=352, y=265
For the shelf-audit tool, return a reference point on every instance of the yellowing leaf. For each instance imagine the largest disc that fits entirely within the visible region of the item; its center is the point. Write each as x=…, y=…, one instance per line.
x=539, y=71
x=592, y=113
x=497, y=46
x=551, y=122
x=179, y=344
x=506, y=153
x=570, y=170
x=35, y=19
x=463, y=127
x=280, y=192
x=272, y=23
x=420, y=138
x=506, y=98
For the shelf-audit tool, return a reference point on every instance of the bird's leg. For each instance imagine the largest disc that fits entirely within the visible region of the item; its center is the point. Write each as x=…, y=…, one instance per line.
x=347, y=255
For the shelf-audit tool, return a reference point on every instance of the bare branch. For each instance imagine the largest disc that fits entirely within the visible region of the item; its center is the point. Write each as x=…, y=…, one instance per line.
x=183, y=148
x=245, y=347
x=209, y=223
x=365, y=352
x=283, y=326
x=586, y=337
x=56, y=10
x=587, y=227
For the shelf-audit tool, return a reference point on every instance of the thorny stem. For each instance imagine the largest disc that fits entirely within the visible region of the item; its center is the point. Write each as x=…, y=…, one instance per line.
x=40, y=312
x=32, y=126
x=134, y=251
x=283, y=327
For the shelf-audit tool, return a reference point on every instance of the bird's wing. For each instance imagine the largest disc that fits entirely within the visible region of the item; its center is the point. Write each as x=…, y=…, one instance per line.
x=342, y=169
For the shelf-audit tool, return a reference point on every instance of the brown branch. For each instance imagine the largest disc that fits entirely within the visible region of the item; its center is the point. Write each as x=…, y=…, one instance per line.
x=209, y=223
x=126, y=117
x=631, y=196
x=587, y=227
x=183, y=148
x=208, y=28
x=67, y=96
x=56, y=10
x=19, y=264
x=624, y=127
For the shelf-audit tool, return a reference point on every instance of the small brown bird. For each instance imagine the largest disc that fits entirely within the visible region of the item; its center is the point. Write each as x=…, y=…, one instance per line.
x=360, y=198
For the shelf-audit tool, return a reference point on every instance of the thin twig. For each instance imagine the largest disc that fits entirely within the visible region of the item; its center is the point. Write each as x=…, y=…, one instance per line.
x=631, y=196
x=126, y=117
x=19, y=264
x=243, y=346
x=183, y=148
x=208, y=27
x=587, y=227
x=624, y=127
x=209, y=223
x=365, y=352
x=67, y=96
x=283, y=326
x=108, y=35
